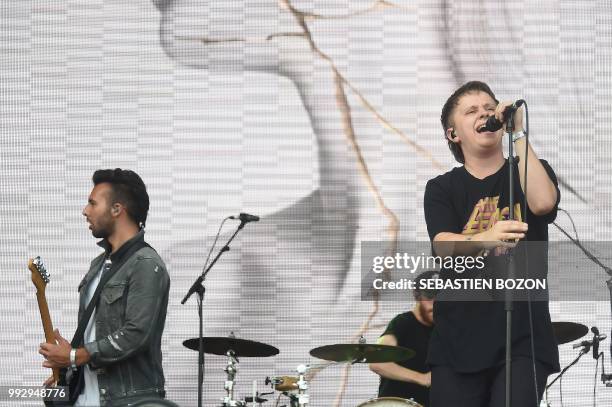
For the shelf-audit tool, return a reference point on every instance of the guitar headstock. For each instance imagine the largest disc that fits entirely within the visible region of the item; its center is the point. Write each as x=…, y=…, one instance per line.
x=40, y=275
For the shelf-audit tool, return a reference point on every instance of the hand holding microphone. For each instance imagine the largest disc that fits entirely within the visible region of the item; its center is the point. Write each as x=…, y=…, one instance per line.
x=502, y=113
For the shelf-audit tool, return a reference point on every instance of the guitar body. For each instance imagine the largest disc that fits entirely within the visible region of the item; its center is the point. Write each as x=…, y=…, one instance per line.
x=73, y=380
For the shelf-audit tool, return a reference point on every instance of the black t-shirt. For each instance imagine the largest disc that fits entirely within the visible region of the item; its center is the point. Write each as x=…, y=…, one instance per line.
x=470, y=336
x=410, y=333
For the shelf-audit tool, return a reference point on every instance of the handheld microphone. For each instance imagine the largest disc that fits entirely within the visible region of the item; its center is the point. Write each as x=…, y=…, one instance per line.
x=246, y=218
x=493, y=124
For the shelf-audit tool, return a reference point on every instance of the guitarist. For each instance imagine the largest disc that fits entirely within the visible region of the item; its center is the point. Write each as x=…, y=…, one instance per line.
x=115, y=356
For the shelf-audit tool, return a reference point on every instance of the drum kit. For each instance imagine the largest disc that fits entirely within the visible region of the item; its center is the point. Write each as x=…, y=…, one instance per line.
x=295, y=388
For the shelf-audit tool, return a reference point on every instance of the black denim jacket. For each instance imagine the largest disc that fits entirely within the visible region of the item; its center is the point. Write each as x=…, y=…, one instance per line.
x=130, y=318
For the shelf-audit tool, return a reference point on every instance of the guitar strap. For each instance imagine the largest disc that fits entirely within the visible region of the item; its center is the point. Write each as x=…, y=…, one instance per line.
x=77, y=339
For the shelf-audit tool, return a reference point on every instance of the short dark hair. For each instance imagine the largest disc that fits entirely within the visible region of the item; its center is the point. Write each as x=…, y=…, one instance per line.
x=449, y=107
x=419, y=292
x=127, y=189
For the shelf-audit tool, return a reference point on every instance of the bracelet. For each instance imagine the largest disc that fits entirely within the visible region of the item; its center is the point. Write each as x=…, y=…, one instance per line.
x=518, y=135
x=73, y=363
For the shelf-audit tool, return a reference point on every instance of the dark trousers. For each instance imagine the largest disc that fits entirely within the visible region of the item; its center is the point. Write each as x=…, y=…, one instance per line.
x=488, y=387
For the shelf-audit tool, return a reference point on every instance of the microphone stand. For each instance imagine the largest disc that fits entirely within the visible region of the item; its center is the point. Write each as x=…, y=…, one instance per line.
x=583, y=351
x=606, y=378
x=508, y=303
x=198, y=287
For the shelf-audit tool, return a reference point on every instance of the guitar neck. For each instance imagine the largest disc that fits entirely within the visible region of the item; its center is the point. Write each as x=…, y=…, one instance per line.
x=45, y=317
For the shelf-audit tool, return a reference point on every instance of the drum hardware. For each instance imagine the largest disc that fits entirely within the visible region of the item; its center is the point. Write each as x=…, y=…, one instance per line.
x=233, y=348
x=230, y=369
x=296, y=387
x=258, y=399
x=302, y=386
x=255, y=396
x=293, y=400
x=293, y=387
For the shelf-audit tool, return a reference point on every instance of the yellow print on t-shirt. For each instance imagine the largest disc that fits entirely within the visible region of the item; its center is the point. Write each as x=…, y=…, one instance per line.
x=486, y=214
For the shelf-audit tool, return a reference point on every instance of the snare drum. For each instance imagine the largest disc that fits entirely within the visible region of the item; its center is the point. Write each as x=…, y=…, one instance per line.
x=389, y=402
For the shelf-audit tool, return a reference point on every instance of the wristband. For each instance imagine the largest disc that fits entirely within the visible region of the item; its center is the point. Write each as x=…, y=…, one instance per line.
x=73, y=363
x=518, y=135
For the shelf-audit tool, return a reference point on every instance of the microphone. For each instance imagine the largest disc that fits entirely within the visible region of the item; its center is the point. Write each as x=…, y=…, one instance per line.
x=493, y=124
x=246, y=218
x=593, y=342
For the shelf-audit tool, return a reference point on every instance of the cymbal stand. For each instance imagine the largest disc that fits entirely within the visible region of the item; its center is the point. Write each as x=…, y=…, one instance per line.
x=302, y=386
x=231, y=369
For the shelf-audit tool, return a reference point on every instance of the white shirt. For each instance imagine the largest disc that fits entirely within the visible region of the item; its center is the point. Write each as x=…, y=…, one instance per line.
x=90, y=395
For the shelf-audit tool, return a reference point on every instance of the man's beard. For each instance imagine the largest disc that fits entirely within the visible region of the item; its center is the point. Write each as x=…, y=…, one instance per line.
x=105, y=229
x=427, y=316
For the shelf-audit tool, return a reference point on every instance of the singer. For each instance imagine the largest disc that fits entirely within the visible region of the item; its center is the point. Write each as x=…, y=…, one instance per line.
x=470, y=204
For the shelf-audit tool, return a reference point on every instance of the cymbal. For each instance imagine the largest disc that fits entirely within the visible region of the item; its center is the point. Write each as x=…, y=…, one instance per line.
x=362, y=353
x=568, y=331
x=219, y=345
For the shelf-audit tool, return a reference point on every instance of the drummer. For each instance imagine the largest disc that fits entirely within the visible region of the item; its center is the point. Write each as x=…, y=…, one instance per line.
x=409, y=379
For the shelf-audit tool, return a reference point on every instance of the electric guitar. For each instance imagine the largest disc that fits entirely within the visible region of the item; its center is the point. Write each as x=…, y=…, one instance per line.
x=40, y=278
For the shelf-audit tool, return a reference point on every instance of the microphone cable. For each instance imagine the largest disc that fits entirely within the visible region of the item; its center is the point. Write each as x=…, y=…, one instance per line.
x=561, y=390
x=214, y=243
x=600, y=355
x=198, y=297
x=578, y=243
x=594, y=259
